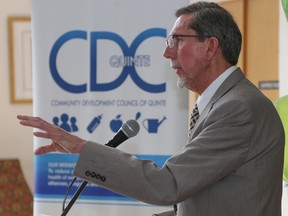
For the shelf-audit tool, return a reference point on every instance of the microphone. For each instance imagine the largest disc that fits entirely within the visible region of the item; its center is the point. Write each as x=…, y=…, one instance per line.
x=128, y=129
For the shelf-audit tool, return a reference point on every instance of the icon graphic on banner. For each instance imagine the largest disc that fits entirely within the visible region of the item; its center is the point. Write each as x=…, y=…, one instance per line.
x=151, y=125
x=94, y=123
x=74, y=127
x=116, y=123
x=64, y=124
x=138, y=114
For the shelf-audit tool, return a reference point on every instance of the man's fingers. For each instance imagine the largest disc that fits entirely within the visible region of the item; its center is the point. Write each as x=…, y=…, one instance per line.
x=62, y=141
x=29, y=118
x=50, y=148
x=35, y=122
x=41, y=134
x=44, y=149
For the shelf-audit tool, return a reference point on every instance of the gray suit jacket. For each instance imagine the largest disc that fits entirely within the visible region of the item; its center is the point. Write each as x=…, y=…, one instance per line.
x=231, y=166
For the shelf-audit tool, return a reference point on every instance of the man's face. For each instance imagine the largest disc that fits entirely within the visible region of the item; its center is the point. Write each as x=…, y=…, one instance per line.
x=188, y=55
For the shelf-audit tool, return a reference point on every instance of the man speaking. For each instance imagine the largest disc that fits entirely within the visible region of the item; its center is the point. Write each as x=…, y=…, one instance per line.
x=232, y=162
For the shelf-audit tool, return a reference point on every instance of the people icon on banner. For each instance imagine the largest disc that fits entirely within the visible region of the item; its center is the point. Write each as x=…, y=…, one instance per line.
x=67, y=124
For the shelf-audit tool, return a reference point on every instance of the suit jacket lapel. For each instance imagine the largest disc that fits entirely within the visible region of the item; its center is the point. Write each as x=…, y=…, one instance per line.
x=231, y=80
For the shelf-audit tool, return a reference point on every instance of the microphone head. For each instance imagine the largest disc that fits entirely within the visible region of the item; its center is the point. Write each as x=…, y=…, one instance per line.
x=130, y=128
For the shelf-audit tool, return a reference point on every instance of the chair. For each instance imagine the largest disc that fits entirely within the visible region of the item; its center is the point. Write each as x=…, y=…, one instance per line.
x=15, y=196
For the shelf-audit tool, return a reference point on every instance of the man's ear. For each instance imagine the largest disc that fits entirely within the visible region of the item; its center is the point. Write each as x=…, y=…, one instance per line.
x=213, y=46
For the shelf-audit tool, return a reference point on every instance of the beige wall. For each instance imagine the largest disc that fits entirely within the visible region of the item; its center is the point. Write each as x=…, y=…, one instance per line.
x=15, y=141
x=260, y=50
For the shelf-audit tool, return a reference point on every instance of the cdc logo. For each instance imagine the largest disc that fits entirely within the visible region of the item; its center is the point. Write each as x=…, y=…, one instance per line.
x=128, y=69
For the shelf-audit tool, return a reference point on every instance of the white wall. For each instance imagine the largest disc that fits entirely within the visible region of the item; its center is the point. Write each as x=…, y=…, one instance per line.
x=15, y=141
x=283, y=53
x=283, y=79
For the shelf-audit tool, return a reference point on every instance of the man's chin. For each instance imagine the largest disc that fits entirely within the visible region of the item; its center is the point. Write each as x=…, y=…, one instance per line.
x=180, y=83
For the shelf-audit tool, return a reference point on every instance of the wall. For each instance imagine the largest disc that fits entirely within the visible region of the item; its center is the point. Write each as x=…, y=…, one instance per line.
x=15, y=141
x=283, y=79
x=283, y=53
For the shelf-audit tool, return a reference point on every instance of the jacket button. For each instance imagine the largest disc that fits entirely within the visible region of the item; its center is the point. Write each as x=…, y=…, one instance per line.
x=95, y=175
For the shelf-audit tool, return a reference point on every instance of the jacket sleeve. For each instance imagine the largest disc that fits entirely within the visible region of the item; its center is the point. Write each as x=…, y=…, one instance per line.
x=125, y=174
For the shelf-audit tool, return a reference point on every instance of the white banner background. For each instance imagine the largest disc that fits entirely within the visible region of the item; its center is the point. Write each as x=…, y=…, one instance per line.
x=82, y=47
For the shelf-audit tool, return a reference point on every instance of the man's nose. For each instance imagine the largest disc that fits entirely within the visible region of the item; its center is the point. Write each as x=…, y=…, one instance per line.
x=169, y=53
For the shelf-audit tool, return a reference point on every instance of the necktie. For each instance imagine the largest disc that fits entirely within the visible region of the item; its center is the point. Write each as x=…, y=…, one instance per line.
x=194, y=117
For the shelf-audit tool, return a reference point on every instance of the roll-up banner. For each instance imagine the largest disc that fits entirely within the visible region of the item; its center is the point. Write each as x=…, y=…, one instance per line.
x=96, y=64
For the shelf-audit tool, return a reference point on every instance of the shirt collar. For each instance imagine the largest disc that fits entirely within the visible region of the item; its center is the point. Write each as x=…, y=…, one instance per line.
x=206, y=96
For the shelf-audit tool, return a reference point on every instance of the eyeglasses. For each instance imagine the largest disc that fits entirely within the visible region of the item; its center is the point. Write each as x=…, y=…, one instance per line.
x=172, y=40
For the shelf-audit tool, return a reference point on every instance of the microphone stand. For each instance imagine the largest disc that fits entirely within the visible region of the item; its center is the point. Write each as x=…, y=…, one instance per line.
x=82, y=186
x=74, y=198
x=129, y=129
